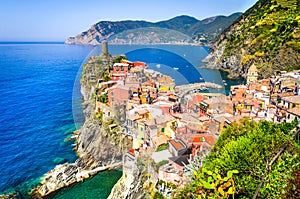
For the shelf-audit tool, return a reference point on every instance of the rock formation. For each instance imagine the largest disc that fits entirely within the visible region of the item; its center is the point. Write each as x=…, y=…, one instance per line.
x=266, y=35
x=98, y=149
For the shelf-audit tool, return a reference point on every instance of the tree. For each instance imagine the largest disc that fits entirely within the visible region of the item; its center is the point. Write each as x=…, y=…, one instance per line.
x=119, y=58
x=208, y=184
x=264, y=153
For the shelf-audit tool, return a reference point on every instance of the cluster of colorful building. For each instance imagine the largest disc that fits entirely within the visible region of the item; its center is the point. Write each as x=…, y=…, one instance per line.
x=274, y=99
x=190, y=124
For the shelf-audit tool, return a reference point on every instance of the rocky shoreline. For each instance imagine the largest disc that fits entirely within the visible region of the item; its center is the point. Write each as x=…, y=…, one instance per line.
x=230, y=65
x=96, y=149
x=66, y=175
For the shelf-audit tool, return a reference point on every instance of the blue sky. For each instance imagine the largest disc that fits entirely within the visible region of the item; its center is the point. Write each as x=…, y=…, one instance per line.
x=55, y=20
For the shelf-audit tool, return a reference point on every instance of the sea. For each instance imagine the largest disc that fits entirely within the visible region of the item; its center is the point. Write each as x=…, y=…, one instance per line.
x=40, y=106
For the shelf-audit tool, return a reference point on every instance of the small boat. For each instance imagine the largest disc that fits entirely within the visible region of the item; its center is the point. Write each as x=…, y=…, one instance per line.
x=203, y=88
x=175, y=68
x=158, y=65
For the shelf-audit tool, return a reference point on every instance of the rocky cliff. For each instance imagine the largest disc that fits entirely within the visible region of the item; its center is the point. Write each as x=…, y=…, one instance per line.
x=198, y=30
x=98, y=147
x=267, y=35
x=137, y=176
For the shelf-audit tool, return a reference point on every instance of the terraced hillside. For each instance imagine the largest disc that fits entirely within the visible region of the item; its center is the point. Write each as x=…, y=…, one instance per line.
x=267, y=35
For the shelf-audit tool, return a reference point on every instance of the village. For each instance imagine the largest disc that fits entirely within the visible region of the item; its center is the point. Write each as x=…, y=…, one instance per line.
x=173, y=124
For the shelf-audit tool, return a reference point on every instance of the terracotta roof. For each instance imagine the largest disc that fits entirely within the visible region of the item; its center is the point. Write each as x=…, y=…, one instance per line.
x=178, y=144
x=164, y=118
x=131, y=151
x=149, y=83
x=196, y=99
x=150, y=122
x=295, y=111
x=197, y=127
x=195, y=139
x=284, y=94
x=203, y=118
x=160, y=140
x=292, y=99
x=188, y=118
x=177, y=115
x=142, y=111
x=133, y=117
x=235, y=118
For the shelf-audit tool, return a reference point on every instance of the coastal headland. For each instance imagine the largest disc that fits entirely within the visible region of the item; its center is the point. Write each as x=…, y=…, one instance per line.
x=139, y=120
x=102, y=141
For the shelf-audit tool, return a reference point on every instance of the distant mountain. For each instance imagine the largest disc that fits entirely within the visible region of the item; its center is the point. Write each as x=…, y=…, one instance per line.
x=267, y=35
x=198, y=30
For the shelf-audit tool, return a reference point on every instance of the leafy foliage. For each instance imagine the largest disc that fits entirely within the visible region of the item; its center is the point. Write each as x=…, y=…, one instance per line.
x=119, y=58
x=209, y=184
x=161, y=163
x=249, y=147
x=162, y=147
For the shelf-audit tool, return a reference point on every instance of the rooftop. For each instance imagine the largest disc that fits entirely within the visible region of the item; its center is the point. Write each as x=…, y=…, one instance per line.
x=180, y=160
x=292, y=99
x=203, y=137
x=295, y=111
x=178, y=144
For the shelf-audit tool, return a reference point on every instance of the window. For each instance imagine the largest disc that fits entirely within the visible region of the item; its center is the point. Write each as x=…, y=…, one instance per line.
x=112, y=99
x=112, y=93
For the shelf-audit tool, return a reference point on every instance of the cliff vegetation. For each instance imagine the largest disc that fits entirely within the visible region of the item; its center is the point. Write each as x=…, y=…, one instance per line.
x=250, y=160
x=267, y=35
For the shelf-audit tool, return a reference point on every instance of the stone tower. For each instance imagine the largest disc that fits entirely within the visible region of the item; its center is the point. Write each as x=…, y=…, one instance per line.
x=252, y=74
x=104, y=55
x=104, y=48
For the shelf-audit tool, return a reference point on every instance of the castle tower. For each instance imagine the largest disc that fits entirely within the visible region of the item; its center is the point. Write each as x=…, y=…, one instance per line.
x=252, y=74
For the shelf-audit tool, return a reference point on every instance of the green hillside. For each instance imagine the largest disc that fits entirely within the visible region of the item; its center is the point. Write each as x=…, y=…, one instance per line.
x=268, y=35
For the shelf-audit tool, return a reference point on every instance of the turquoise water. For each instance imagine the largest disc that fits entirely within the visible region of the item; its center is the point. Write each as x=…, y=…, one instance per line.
x=97, y=187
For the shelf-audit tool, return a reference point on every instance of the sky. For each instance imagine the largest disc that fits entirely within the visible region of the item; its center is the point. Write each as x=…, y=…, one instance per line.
x=55, y=20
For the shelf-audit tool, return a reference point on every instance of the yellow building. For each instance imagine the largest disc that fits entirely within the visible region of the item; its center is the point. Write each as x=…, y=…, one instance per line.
x=252, y=74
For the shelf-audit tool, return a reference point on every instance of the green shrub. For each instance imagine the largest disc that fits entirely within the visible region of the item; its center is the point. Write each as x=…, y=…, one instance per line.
x=162, y=147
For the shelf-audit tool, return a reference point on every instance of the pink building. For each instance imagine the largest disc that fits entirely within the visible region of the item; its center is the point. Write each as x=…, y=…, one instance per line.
x=120, y=71
x=118, y=94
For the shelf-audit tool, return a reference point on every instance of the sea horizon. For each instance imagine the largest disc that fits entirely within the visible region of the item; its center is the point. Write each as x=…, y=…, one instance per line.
x=32, y=42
